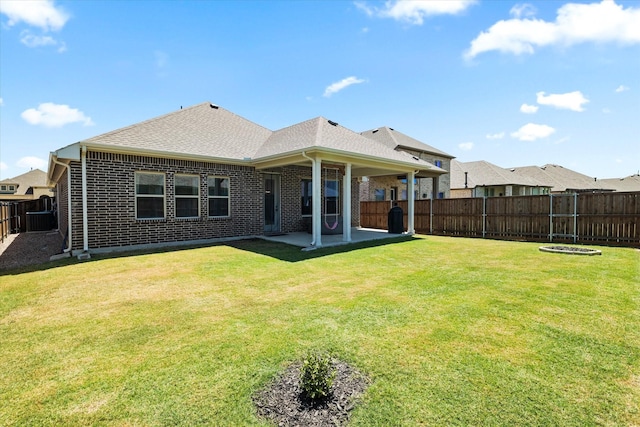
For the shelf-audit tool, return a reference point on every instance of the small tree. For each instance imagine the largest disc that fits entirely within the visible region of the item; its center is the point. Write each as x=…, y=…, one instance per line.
x=316, y=375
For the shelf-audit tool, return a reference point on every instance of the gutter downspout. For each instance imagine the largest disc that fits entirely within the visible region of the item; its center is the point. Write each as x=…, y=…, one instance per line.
x=69, y=225
x=85, y=222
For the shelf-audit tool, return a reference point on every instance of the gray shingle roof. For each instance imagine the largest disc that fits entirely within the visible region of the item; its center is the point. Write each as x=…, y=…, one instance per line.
x=628, y=183
x=394, y=139
x=205, y=130
x=482, y=173
x=33, y=178
x=561, y=179
x=200, y=130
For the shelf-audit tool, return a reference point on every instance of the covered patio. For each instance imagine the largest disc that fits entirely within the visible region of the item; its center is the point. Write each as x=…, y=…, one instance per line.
x=358, y=235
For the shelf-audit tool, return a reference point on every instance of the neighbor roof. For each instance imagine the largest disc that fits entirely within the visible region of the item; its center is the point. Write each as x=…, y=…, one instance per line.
x=482, y=173
x=561, y=178
x=394, y=139
x=628, y=183
x=28, y=180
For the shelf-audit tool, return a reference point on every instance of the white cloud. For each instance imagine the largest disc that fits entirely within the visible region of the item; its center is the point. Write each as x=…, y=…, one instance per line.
x=42, y=14
x=520, y=10
x=414, y=12
x=1, y=102
x=565, y=101
x=31, y=40
x=466, y=146
x=532, y=131
x=495, y=135
x=621, y=88
x=529, y=109
x=3, y=166
x=575, y=23
x=32, y=163
x=338, y=86
x=55, y=115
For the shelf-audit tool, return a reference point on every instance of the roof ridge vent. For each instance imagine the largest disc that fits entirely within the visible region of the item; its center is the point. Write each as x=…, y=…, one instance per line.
x=332, y=123
x=214, y=106
x=375, y=130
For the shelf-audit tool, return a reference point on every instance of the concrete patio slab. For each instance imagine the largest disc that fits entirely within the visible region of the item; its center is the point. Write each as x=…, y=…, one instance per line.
x=358, y=235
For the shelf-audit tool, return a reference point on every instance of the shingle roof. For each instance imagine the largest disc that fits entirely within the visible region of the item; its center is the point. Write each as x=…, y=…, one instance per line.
x=628, y=183
x=33, y=178
x=210, y=131
x=482, y=173
x=561, y=179
x=322, y=133
x=201, y=130
x=394, y=139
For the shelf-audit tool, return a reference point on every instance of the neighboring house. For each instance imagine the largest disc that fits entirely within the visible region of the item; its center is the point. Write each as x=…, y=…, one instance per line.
x=28, y=186
x=629, y=183
x=28, y=194
x=392, y=187
x=484, y=179
x=563, y=180
x=204, y=173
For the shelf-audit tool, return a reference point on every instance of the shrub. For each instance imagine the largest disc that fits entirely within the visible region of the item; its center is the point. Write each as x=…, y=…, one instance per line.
x=316, y=375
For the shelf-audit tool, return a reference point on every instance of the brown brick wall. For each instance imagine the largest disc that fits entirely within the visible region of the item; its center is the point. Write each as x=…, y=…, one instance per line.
x=111, y=201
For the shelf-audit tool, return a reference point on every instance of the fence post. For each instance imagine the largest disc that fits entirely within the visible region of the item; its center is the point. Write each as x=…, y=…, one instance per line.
x=550, y=217
x=484, y=216
x=431, y=215
x=575, y=217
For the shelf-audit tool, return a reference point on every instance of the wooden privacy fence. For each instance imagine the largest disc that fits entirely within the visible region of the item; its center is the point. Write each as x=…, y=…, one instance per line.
x=5, y=220
x=596, y=218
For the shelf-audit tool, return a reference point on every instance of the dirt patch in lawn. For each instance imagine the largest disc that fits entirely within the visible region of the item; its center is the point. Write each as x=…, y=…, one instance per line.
x=283, y=401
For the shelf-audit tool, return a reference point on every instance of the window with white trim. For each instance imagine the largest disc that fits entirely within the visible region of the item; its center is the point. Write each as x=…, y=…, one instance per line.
x=150, y=194
x=218, y=194
x=187, y=195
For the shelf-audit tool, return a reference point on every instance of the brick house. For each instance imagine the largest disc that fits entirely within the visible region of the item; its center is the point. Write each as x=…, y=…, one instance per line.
x=394, y=187
x=204, y=174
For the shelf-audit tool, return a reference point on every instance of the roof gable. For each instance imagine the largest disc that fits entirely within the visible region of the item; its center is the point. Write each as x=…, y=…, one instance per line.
x=394, y=139
x=482, y=173
x=33, y=178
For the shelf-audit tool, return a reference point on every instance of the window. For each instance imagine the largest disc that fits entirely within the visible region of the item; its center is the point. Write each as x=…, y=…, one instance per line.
x=218, y=196
x=149, y=195
x=306, y=195
x=380, y=194
x=3, y=188
x=331, y=197
x=438, y=163
x=187, y=196
x=12, y=188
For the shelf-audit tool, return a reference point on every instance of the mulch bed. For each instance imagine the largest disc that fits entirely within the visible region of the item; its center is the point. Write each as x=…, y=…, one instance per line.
x=283, y=401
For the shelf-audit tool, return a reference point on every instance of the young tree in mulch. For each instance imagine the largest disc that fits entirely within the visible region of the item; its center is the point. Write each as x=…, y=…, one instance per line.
x=319, y=391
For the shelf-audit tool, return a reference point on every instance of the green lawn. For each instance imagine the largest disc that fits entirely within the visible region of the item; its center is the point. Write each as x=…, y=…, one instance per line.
x=450, y=331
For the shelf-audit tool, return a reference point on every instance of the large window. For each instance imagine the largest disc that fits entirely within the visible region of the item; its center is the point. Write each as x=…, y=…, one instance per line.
x=149, y=195
x=380, y=194
x=332, y=197
x=306, y=194
x=187, y=189
x=218, y=196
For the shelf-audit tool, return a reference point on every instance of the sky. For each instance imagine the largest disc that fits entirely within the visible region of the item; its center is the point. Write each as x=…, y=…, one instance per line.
x=513, y=83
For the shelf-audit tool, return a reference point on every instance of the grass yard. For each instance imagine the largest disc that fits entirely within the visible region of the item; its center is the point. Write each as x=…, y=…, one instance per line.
x=450, y=331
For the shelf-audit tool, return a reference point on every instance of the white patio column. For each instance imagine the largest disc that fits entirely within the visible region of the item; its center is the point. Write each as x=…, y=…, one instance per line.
x=316, y=194
x=411, y=200
x=346, y=204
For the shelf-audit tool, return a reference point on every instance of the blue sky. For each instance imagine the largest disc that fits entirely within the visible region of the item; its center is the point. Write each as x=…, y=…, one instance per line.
x=513, y=83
